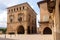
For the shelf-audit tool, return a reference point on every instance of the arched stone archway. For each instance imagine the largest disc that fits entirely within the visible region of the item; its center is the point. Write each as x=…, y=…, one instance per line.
x=47, y=30
x=20, y=30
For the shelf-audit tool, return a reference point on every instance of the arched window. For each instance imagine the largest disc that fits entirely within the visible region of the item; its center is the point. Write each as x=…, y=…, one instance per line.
x=20, y=19
x=17, y=9
x=11, y=18
x=14, y=9
x=20, y=8
x=23, y=7
x=11, y=10
x=47, y=30
x=20, y=14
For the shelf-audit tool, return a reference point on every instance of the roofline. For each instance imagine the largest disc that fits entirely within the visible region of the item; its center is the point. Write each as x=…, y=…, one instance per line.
x=40, y=2
x=16, y=5
x=31, y=8
x=22, y=4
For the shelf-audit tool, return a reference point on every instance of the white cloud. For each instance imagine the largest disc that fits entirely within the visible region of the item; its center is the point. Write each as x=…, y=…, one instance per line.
x=3, y=19
x=3, y=13
x=9, y=2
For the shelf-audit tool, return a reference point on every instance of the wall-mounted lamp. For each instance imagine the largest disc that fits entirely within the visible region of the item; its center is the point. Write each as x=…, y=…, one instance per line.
x=51, y=5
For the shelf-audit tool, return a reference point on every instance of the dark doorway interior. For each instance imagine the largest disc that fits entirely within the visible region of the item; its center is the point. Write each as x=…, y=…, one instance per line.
x=20, y=30
x=32, y=30
x=11, y=33
x=47, y=31
x=28, y=30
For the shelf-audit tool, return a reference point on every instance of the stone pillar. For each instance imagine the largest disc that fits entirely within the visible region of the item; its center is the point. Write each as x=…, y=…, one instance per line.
x=25, y=27
x=56, y=22
x=25, y=31
x=15, y=31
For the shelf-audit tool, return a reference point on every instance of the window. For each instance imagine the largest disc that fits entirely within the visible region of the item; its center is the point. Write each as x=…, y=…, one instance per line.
x=23, y=7
x=11, y=18
x=17, y=9
x=11, y=10
x=20, y=19
x=14, y=9
x=20, y=8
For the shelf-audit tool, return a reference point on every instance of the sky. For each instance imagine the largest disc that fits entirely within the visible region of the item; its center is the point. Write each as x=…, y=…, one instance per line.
x=8, y=3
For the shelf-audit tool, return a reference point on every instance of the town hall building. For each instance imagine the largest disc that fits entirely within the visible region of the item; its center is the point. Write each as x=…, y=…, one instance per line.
x=21, y=19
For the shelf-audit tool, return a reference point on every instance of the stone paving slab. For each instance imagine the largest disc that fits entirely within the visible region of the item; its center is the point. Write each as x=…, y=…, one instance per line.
x=26, y=37
x=5, y=39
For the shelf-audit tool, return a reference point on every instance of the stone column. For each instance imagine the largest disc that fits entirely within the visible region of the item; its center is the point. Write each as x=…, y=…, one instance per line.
x=56, y=22
x=25, y=28
x=25, y=31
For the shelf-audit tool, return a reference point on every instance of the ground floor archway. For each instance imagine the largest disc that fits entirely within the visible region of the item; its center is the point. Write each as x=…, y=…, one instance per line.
x=47, y=30
x=20, y=30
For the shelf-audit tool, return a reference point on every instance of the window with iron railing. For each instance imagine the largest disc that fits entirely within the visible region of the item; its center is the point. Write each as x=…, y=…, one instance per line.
x=11, y=18
x=20, y=17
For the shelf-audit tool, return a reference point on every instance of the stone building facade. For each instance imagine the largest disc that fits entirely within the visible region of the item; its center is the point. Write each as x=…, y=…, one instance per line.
x=57, y=20
x=44, y=27
x=53, y=7
x=21, y=19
